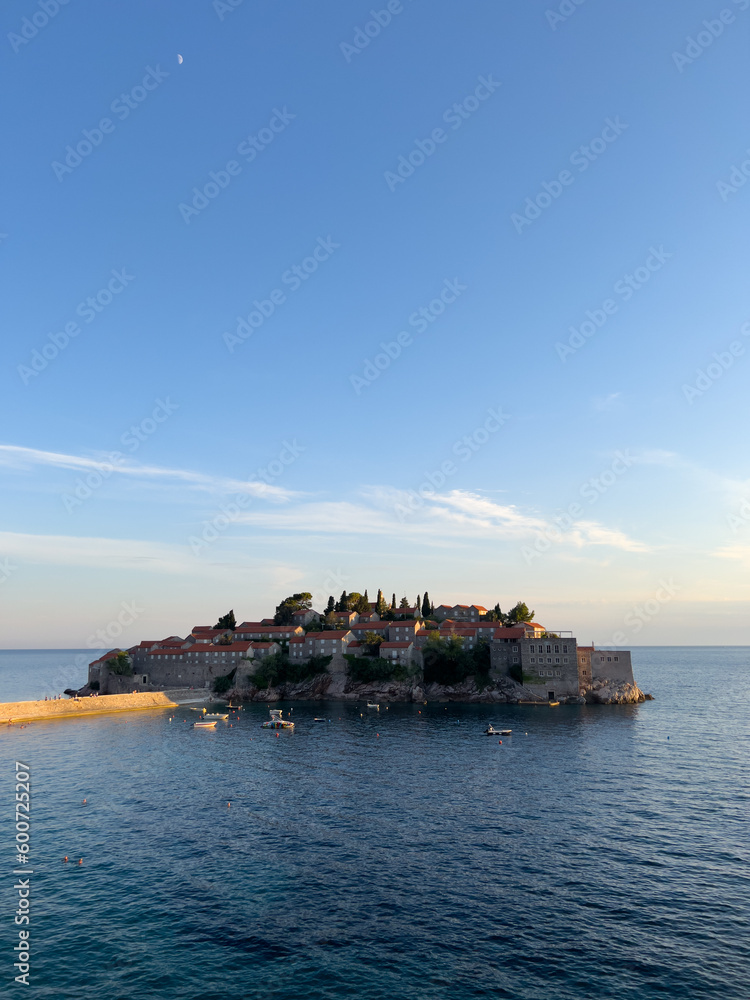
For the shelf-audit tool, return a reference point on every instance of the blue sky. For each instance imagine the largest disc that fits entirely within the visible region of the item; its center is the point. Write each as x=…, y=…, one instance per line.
x=566, y=218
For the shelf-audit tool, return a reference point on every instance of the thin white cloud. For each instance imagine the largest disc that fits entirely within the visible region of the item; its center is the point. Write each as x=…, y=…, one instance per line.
x=434, y=520
x=15, y=456
x=604, y=404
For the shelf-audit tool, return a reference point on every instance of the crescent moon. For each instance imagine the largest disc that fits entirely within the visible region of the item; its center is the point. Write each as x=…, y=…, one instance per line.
x=179, y=59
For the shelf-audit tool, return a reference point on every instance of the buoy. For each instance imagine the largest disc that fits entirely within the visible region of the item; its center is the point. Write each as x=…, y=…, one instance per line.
x=229, y=805
x=80, y=861
x=377, y=734
x=84, y=801
x=65, y=858
x=500, y=742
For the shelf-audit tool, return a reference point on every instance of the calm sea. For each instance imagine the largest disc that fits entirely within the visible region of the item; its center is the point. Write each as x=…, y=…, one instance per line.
x=597, y=852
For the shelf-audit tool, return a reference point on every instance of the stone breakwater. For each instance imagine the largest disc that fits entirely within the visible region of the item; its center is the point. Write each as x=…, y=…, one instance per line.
x=33, y=711
x=327, y=687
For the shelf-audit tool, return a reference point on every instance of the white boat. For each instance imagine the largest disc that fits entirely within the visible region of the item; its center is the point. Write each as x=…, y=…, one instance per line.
x=204, y=725
x=216, y=716
x=491, y=731
x=276, y=721
x=373, y=706
x=317, y=719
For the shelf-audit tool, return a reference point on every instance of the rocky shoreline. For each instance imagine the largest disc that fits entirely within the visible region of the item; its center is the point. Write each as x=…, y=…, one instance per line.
x=328, y=687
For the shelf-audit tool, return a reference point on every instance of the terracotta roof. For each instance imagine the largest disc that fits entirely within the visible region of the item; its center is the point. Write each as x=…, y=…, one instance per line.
x=370, y=626
x=263, y=645
x=269, y=629
x=107, y=656
x=297, y=638
x=202, y=647
x=395, y=645
x=327, y=635
x=510, y=633
x=355, y=645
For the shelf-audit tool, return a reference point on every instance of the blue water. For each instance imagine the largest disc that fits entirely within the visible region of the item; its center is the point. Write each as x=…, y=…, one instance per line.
x=597, y=852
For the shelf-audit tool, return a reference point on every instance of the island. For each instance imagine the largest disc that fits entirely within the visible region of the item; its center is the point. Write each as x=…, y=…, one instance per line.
x=376, y=650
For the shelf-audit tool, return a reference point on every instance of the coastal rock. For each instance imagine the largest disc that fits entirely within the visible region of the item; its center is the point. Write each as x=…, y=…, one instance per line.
x=607, y=693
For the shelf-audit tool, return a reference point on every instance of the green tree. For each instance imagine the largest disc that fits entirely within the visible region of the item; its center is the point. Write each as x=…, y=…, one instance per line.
x=363, y=605
x=496, y=615
x=227, y=621
x=341, y=604
x=404, y=603
x=520, y=613
x=331, y=606
x=352, y=601
x=393, y=603
x=297, y=602
x=380, y=605
x=426, y=607
x=372, y=641
x=120, y=664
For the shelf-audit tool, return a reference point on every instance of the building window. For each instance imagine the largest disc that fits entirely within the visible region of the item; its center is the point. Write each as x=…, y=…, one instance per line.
x=515, y=659
x=549, y=649
x=515, y=649
x=558, y=673
x=565, y=659
x=531, y=649
x=565, y=649
x=617, y=658
x=549, y=659
x=609, y=659
x=557, y=659
x=557, y=649
x=533, y=659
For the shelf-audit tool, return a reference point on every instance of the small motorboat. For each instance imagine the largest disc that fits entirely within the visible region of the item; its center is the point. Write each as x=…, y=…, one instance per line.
x=276, y=721
x=491, y=731
x=216, y=716
x=554, y=704
x=318, y=719
x=203, y=724
x=373, y=706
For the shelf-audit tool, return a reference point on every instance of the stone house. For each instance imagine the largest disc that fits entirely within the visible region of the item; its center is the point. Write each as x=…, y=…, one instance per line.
x=254, y=631
x=305, y=616
x=396, y=652
x=345, y=619
x=379, y=628
x=403, y=631
x=260, y=650
x=596, y=665
x=550, y=667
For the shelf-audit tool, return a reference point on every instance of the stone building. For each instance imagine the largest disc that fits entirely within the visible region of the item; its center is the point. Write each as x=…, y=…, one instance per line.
x=549, y=666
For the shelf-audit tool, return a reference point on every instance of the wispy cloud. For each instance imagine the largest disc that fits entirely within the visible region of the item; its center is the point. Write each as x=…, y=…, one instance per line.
x=15, y=456
x=604, y=404
x=437, y=521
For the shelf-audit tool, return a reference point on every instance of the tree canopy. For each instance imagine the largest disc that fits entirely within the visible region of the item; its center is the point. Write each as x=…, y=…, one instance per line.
x=227, y=621
x=287, y=608
x=519, y=613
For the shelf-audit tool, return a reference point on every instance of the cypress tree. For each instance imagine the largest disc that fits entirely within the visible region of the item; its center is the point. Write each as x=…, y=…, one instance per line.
x=425, y=605
x=393, y=603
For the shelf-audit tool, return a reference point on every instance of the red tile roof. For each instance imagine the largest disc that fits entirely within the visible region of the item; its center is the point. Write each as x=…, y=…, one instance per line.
x=202, y=647
x=395, y=645
x=328, y=635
